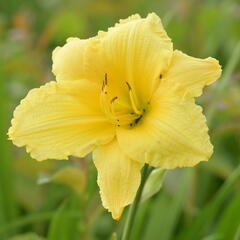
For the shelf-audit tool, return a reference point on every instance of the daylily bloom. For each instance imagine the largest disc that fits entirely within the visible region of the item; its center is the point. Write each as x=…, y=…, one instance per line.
x=126, y=96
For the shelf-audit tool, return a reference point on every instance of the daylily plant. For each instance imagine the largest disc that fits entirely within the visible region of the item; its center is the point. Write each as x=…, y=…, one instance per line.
x=126, y=96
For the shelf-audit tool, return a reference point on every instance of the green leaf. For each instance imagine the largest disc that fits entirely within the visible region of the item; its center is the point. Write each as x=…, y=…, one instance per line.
x=213, y=237
x=8, y=205
x=70, y=176
x=206, y=217
x=60, y=218
x=27, y=236
x=114, y=236
x=230, y=220
x=166, y=209
x=66, y=221
x=237, y=235
x=154, y=183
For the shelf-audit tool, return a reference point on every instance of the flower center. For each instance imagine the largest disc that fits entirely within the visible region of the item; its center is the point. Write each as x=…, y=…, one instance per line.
x=118, y=112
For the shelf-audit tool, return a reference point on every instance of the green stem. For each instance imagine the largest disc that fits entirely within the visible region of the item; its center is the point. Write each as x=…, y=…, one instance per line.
x=133, y=208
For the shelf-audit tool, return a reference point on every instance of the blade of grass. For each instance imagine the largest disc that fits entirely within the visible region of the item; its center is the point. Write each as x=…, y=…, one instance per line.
x=59, y=219
x=205, y=218
x=141, y=220
x=230, y=220
x=24, y=221
x=237, y=235
x=68, y=223
x=27, y=236
x=31, y=219
x=8, y=204
x=166, y=210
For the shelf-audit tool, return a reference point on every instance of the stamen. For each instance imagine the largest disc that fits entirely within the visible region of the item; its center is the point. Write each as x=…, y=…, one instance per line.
x=112, y=106
x=104, y=99
x=125, y=119
x=137, y=120
x=106, y=79
x=105, y=105
x=133, y=100
x=115, y=98
x=129, y=87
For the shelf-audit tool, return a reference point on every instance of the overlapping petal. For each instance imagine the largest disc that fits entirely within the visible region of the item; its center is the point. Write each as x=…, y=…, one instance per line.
x=187, y=76
x=60, y=119
x=118, y=177
x=172, y=134
x=76, y=60
x=137, y=50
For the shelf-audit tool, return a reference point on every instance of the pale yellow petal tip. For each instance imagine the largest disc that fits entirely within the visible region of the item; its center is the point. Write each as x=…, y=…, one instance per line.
x=215, y=65
x=101, y=33
x=55, y=51
x=117, y=213
x=70, y=39
x=129, y=19
x=185, y=162
x=153, y=17
x=215, y=68
x=10, y=133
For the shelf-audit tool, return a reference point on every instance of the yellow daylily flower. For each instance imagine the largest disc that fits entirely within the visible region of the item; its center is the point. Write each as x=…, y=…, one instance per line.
x=126, y=95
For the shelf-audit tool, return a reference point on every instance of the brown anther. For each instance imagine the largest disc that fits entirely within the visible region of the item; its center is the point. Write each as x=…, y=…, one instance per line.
x=103, y=85
x=131, y=124
x=160, y=76
x=115, y=98
x=129, y=87
x=105, y=79
x=138, y=119
x=118, y=125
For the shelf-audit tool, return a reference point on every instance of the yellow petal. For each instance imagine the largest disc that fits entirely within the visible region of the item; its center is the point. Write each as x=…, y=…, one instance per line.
x=172, y=134
x=118, y=177
x=76, y=60
x=188, y=75
x=60, y=119
x=137, y=51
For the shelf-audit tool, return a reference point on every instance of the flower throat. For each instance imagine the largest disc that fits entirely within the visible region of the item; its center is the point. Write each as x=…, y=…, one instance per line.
x=117, y=112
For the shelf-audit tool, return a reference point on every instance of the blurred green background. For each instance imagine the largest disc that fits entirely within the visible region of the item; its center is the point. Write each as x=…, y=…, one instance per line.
x=59, y=200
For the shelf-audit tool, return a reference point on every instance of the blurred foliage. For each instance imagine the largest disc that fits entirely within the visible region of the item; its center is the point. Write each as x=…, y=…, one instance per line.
x=195, y=203
x=71, y=176
x=28, y=236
